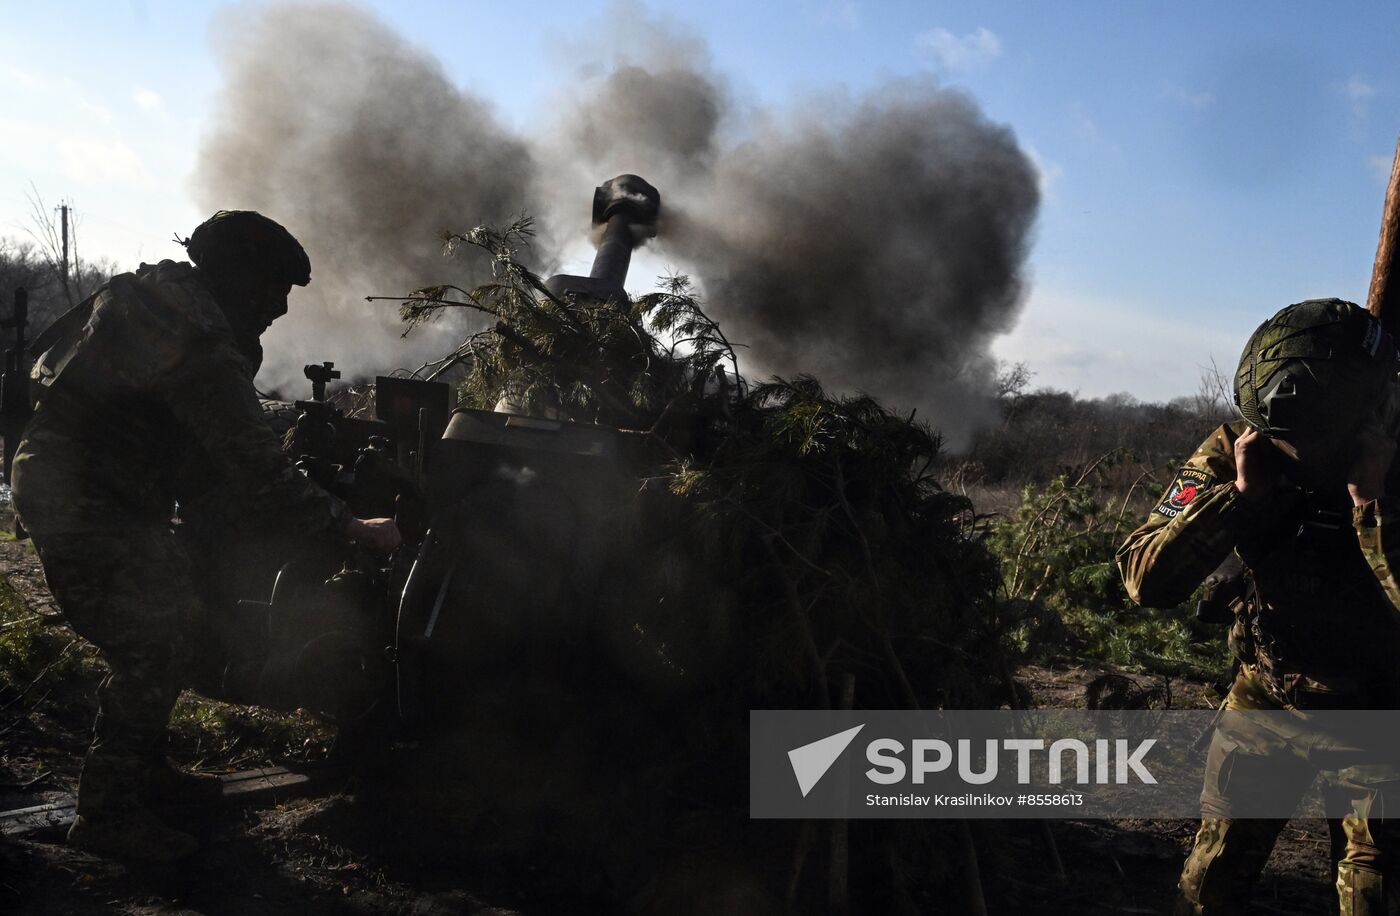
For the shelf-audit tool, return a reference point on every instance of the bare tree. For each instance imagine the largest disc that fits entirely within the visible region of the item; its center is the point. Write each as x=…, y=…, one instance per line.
x=1215, y=395
x=22, y=265
x=1012, y=380
x=58, y=245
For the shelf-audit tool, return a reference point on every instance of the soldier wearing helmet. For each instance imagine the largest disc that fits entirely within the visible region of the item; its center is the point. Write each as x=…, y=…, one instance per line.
x=1296, y=491
x=152, y=374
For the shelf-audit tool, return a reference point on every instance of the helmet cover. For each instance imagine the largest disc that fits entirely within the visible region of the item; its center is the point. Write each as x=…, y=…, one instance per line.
x=1313, y=370
x=244, y=242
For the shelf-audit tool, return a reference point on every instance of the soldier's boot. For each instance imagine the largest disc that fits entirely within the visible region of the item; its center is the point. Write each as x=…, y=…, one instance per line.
x=112, y=818
x=167, y=784
x=133, y=835
x=1363, y=850
x=1226, y=860
x=1360, y=891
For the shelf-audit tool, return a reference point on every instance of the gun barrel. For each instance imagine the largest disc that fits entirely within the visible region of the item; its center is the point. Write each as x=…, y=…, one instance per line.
x=626, y=207
x=614, y=252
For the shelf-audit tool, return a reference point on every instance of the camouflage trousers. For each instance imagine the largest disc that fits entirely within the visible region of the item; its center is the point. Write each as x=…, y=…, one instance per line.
x=1230, y=853
x=130, y=595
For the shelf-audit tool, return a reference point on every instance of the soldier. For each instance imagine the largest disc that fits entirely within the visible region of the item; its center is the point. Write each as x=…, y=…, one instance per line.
x=1297, y=490
x=154, y=373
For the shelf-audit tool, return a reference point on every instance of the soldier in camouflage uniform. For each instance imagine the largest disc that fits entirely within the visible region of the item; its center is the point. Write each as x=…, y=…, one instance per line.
x=1297, y=490
x=152, y=374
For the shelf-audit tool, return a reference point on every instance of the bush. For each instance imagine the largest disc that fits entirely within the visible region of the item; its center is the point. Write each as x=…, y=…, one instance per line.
x=38, y=654
x=850, y=577
x=1063, y=595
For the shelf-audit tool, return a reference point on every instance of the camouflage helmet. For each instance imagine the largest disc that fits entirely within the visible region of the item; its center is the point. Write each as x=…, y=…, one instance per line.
x=246, y=242
x=1313, y=370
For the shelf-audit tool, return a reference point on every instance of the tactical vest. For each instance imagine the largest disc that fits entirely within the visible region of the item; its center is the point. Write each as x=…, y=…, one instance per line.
x=54, y=348
x=1317, y=615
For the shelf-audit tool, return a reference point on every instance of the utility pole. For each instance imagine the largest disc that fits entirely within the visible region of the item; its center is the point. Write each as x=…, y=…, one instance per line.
x=63, y=210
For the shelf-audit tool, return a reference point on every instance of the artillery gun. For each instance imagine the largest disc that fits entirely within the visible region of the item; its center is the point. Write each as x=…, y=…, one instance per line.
x=502, y=638
x=502, y=561
x=517, y=529
x=561, y=637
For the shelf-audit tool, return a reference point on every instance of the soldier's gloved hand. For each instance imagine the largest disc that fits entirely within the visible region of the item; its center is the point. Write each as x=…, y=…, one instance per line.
x=1385, y=419
x=1375, y=448
x=378, y=534
x=1256, y=466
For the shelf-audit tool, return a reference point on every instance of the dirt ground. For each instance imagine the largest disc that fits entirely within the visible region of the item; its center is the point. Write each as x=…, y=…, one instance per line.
x=336, y=853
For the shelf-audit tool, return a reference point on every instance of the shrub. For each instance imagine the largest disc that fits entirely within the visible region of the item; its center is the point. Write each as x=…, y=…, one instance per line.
x=1063, y=595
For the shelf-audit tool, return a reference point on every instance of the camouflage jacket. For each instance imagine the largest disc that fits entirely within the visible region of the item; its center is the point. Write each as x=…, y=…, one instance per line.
x=149, y=380
x=1327, y=603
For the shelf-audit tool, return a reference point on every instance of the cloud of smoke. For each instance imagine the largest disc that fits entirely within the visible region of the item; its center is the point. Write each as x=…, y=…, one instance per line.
x=643, y=98
x=359, y=144
x=875, y=241
x=880, y=240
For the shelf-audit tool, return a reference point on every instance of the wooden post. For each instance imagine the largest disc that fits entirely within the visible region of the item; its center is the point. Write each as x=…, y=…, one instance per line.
x=1380, y=298
x=63, y=213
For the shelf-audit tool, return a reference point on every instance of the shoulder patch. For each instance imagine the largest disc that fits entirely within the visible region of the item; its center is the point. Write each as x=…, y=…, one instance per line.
x=1185, y=488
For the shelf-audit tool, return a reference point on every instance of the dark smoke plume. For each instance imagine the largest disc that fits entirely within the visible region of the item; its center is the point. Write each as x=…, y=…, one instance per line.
x=360, y=145
x=880, y=240
x=653, y=106
x=876, y=242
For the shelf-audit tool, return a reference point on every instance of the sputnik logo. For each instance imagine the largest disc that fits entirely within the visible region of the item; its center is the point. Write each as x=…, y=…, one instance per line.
x=811, y=761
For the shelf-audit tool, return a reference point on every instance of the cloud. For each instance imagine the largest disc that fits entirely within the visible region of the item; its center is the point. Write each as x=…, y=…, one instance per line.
x=147, y=99
x=99, y=113
x=843, y=14
x=975, y=49
x=1096, y=347
x=1359, y=93
x=25, y=79
x=1380, y=168
x=1048, y=172
x=1082, y=122
x=90, y=161
x=1358, y=89
x=1197, y=101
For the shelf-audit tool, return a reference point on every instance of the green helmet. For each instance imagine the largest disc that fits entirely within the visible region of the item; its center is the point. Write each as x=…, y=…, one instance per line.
x=1313, y=370
x=234, y=242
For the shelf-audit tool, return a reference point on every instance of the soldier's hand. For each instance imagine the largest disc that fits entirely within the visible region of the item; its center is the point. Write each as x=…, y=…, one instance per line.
x=1256, y=466
x=1375, y=448
x=1385, y=419
x=378, y=534
x=1375, y=451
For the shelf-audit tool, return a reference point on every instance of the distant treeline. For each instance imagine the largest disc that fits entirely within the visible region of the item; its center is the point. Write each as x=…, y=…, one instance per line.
x=28, y=264
x=1043, y=434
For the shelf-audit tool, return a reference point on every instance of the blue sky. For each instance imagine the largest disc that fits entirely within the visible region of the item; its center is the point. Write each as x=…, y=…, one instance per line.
x=1202, y=164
